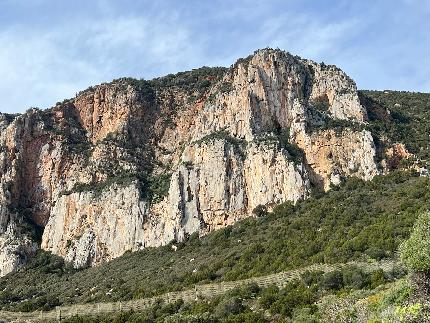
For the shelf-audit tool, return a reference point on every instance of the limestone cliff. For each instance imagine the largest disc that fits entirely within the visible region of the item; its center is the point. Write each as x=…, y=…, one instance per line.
x=131, y=164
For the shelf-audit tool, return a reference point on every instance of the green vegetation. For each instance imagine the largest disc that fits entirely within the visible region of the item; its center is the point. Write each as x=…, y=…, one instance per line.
x=232, y=307
x=195, y=83
x=319, y=110
x=354, y=221
x=242, y=61
x=281, y=137
x=294, y=151
x=69, y=129
x=26, y=223
x=153, y=187
x=221, y=134
x=122, y=179
x=144, y=88
x=199, y=79
x=321, y=104
x=338, y=125
x=415, y=252
x=8, y=117
x=238, y=144
x=226, y=87
x=156, y=187
x=251, y=303
x=393, y=117
x=260, y=211
x=406, y=120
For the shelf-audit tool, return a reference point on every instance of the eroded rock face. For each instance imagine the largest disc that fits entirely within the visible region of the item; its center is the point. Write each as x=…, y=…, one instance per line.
x=132, y=164
x=15, y=246
x=91, y=227
x=394, y=155
x=333, y=155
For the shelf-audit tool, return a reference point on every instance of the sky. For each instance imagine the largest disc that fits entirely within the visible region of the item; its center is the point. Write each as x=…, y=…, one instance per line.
x=51, y=49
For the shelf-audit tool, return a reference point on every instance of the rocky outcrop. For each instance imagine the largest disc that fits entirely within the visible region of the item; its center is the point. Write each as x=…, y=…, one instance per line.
x=91, y=227
x=333, y=156
x=394, y=155
x=132, y=164
x=16, y=246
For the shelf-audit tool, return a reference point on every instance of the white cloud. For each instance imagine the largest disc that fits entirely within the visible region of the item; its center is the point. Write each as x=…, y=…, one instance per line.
x=34, y=68
x=307, y=36
x=40, y=67
x=47, y=62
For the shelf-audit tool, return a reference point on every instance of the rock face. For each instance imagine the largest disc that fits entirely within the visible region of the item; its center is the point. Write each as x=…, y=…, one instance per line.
x=15, y=246
x=132, y=164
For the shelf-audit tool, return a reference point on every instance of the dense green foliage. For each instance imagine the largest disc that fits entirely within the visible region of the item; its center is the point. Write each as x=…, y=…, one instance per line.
x=415, y=252
x=195, y=83
x=200, y=78
x=322, y=120
x=69, y=129
x=145, y=89
x=406, y=122
x=359, y=219
x=394, y=116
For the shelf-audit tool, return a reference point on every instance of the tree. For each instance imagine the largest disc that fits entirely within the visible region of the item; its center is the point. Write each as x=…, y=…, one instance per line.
x=415, y=252
x=333, y=280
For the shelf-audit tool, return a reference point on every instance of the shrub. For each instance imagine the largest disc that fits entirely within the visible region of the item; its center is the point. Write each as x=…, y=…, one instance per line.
x=398, y=294
x=293, y=296
x=247, y=291
x=305, y=315
x=376, y=253
x=226, y=87
x=269, y=296
x=398, y=116
x=311, y=278
x=333, y=280
x=354, y=277
x=415, y=252
x=377, y=278
x=230, y=306
x=260, y=211
x=247, y=317
x=295, y=152
x=321, y=103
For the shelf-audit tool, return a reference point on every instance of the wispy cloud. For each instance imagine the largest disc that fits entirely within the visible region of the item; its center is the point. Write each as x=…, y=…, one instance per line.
x=39, y=67
x=46, y=58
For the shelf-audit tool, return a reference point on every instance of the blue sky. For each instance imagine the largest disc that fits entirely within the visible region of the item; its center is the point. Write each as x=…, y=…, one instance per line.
x=51, y=49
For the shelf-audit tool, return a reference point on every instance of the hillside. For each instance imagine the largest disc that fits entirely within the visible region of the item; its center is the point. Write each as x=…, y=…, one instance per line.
x=399, y=117
x=358, y=221
x=225, y=299
x=135, y=188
